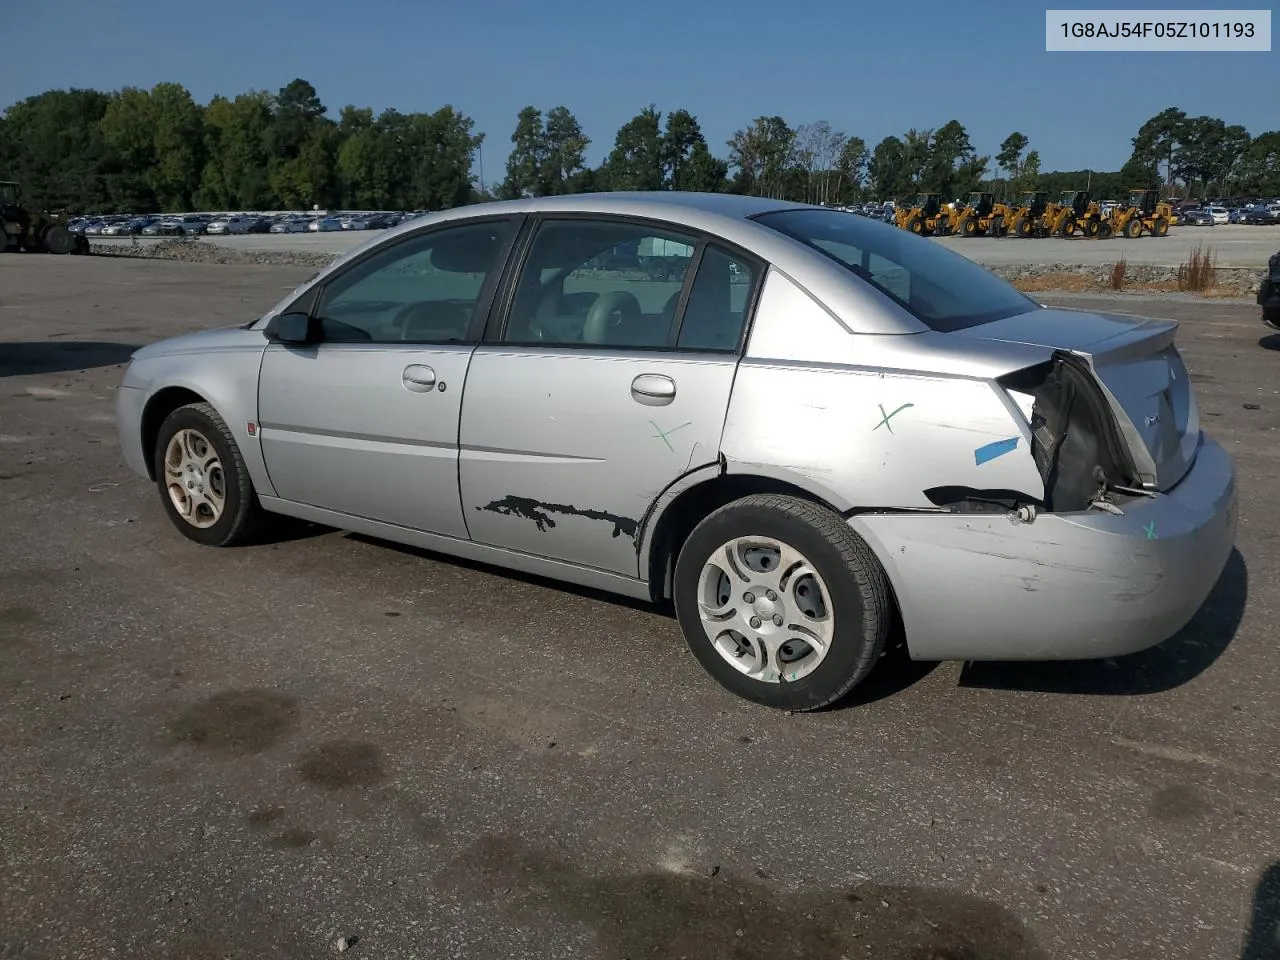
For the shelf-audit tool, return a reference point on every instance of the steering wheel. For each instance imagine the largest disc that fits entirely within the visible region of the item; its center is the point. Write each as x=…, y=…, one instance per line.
x=600, y=318
x=405, y=315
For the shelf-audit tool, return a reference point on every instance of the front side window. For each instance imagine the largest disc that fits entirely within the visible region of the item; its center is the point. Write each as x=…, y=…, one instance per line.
x=600, y=283
x=942, y=289
x=422, y=290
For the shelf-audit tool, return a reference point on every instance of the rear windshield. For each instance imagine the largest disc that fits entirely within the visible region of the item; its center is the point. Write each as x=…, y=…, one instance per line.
x=941, y=289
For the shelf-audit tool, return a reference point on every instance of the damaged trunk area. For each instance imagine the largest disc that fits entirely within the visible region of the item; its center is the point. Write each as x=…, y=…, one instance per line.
x=1078, y=447
x=1075, y=439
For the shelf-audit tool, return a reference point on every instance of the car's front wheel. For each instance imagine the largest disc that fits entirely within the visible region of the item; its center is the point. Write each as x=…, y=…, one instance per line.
x=781, y=602
x=203, y=481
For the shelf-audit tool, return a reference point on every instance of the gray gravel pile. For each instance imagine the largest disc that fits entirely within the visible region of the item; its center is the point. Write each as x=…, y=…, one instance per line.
x=1232, y=280
x=197, y=251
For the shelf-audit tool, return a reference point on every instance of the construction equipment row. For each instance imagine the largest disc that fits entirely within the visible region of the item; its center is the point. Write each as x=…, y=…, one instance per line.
x=1034, y=216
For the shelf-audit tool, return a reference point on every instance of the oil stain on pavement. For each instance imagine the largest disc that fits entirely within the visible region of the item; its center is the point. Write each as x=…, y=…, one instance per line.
x=14, y=621
x=235, y=721
x=342, y=763
x=1178, y=802
x=662, y=914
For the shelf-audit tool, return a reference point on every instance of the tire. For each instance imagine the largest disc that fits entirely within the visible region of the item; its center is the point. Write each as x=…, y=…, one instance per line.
x=57, y=239
x=1092, y=228
x=998, y=227
x=1023, y=227
x=915, y=225
x=1105, y=231
x=851, y=588
x=1133, y=228
x=1067, y=228
x=1271, y=317
x=1160, y=227
x=240, y=517
x=968, y=227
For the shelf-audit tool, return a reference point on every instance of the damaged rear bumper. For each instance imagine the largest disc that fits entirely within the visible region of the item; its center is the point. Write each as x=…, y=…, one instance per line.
x=1065, y=586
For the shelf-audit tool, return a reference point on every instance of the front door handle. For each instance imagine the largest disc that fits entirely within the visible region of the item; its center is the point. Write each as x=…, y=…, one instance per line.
x=653, y=389
x=419, y=378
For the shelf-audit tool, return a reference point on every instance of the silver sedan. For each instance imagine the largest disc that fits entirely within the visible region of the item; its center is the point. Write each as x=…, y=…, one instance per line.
x=804, y=429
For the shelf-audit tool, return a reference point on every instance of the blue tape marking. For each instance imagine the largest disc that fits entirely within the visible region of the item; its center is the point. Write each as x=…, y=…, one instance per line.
x=1150, y=529
x=992, y=450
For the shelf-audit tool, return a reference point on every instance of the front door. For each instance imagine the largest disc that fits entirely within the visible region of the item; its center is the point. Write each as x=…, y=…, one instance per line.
x=365, y=422
x=609, y=380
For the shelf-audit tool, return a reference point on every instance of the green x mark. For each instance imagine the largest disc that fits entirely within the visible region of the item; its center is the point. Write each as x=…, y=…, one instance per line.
x=886, y=417
x=663, y=434
x=1150, y=528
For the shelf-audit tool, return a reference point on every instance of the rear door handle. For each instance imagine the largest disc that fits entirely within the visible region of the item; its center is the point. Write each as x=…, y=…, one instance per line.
x=419, y=378
x=653, y=389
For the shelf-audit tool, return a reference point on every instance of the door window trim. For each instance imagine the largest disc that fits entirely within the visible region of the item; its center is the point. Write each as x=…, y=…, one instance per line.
x=504, y=301
x=309, y=300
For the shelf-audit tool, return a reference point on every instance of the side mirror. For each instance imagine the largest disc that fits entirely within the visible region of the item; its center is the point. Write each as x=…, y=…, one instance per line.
x=292, y=328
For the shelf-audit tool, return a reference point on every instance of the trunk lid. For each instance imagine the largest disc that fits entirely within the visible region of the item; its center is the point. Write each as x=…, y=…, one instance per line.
x=1141, y=374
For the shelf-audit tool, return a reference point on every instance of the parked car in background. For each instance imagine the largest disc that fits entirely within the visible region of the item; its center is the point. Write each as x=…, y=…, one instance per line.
x=324, y=225
x=290, y=225
x=372, y=221
x=1263, y=215
x=812, y=432
x=156, y=228
x=1221, y=215
x=225, y=225
x=1195, y=217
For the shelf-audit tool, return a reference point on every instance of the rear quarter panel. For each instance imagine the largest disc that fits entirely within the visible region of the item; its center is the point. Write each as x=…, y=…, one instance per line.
x=862, y=420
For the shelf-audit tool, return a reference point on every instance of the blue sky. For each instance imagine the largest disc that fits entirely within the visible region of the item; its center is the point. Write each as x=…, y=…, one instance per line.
x=870, y=69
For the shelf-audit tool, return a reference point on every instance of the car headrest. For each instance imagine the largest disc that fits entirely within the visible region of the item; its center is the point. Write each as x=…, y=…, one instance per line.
x=472, y=252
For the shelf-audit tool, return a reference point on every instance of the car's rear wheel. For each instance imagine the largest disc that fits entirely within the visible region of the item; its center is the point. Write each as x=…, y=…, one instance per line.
x=781, y=602
x=203, y=481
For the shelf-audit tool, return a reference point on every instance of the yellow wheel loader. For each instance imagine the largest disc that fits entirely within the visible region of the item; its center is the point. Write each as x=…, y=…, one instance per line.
x=921, y=217
x=35, y=233
x=1024, y=218
x=1074, y=213
x=1143, y=213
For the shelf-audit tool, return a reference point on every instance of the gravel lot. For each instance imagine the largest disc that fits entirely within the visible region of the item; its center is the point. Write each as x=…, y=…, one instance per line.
x=255, y=752
x=1234, y=245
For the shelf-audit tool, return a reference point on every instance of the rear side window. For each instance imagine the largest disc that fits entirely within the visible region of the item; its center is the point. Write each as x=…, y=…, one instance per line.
x=941, y=289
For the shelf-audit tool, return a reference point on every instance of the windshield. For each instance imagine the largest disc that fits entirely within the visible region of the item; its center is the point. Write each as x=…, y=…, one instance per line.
x=941, y=289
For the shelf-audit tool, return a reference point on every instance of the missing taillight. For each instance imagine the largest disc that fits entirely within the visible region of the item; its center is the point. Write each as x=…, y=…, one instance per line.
x=1075, y=440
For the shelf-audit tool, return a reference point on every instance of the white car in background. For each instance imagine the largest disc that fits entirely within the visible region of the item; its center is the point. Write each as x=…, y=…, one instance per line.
x=1221, y=215
x=224, y=225
x=324, y=225
x=290, y=225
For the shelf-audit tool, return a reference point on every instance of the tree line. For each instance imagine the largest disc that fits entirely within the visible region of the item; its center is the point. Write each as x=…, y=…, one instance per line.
x=158, y=149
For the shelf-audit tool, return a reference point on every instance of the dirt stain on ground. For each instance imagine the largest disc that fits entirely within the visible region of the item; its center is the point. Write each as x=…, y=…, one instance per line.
x=14, y=622
x=670, y=915
x=263, y=817
x=1177, y=801
x=342, y=763
x=235, y=721
x=292, y=838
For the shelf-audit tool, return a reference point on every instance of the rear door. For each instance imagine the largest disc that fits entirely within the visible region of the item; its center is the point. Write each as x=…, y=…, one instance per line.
x=366, y=421
x=609, y=379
